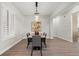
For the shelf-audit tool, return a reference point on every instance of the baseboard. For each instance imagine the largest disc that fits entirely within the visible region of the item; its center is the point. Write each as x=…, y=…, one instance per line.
x=10, y=46
x=62, y=38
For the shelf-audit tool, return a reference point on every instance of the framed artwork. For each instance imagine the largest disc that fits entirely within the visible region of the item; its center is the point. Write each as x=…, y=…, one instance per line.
x=35, y=26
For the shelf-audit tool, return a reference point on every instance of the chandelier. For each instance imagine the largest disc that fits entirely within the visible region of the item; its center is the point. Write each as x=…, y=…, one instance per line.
x=36, y=13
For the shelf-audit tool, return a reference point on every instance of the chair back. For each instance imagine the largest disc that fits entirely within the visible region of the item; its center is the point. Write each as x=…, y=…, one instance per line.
x=36, y=40
x=28, y=34
x=45, y=34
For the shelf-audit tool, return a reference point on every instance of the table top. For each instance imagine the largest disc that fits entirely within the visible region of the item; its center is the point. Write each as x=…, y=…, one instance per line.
x=41, y=36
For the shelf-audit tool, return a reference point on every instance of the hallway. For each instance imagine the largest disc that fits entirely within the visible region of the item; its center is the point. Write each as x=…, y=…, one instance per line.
x=55, y=47
x=56, y=19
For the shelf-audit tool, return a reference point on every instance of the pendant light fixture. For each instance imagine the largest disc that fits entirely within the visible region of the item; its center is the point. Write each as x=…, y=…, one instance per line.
x=36, y=12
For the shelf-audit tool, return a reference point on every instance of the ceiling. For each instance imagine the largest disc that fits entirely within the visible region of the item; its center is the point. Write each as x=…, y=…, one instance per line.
x=44, y=8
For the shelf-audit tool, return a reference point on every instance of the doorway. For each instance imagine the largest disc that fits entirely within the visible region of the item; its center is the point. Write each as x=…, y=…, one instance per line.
x=75, y=26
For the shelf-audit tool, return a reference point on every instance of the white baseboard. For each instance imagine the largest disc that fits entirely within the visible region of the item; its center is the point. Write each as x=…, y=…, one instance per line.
x=51, y=37
x=62, y=38
x=4, y=50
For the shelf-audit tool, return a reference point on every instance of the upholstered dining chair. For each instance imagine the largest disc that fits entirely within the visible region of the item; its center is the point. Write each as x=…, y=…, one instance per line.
x=36, y=43
x=45, y=34
x=28, y=39
x=44, y=39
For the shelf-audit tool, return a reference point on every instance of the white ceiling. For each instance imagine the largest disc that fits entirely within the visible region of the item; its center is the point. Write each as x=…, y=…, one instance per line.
x=44, y=8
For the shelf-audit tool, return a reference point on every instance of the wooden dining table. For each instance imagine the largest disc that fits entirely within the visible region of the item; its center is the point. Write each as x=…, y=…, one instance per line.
x=43, y=40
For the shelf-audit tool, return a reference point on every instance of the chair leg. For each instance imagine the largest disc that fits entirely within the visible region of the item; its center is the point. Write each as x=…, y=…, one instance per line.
x=41, y=51
x=27, y=44
x=45, y=43
x=31, y=51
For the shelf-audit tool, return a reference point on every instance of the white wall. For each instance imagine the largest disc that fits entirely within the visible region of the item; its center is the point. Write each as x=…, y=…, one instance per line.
x=63, y=27
x=11, y=26
x=44, y=23
x=0, y=21
x=78, y=21
x=51, y=28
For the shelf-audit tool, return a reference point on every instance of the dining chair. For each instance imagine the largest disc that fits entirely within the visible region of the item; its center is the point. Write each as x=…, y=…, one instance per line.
x=28, y=39
x=36, y=43
x=45, y=34
x=44, y=39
